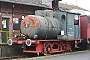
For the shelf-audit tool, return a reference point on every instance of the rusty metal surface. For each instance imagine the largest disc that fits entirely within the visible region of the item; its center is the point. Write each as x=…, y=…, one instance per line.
x=32, y=24
x=44, y=27
x=31, y=20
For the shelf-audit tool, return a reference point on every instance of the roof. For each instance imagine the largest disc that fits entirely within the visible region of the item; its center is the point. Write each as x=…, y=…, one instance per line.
x=70, y=7
x=27, y=2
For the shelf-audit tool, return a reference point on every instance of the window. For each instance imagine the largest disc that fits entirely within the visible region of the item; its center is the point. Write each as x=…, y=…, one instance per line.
x=63, y=17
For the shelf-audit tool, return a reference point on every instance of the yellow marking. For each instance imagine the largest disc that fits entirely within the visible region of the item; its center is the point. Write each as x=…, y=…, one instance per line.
x=3, y=31
x=0, y=30
x=6, y=36
x=10, y=37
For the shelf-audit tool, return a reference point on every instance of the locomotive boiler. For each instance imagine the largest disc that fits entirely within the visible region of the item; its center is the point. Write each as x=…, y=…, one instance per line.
x=38, y=27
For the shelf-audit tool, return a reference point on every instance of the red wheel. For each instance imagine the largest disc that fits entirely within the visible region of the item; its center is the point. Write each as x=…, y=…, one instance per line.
x=47, y=50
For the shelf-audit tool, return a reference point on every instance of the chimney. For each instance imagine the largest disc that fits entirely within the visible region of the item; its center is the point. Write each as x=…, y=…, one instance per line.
x=55, y=4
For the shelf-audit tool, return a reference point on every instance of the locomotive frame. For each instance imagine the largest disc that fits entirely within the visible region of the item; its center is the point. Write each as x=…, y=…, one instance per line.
x=45, y=46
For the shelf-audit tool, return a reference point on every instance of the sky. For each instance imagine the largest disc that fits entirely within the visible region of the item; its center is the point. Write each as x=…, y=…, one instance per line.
x=81, y=3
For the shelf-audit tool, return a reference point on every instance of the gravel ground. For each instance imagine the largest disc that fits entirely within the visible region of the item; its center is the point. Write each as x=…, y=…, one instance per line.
x=81, y=55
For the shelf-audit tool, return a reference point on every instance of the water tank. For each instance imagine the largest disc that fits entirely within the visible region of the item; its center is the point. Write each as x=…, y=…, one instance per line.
x=38, y=27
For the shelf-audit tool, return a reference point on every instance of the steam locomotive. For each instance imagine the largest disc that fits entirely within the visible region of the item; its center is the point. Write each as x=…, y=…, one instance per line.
x=50, y=31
